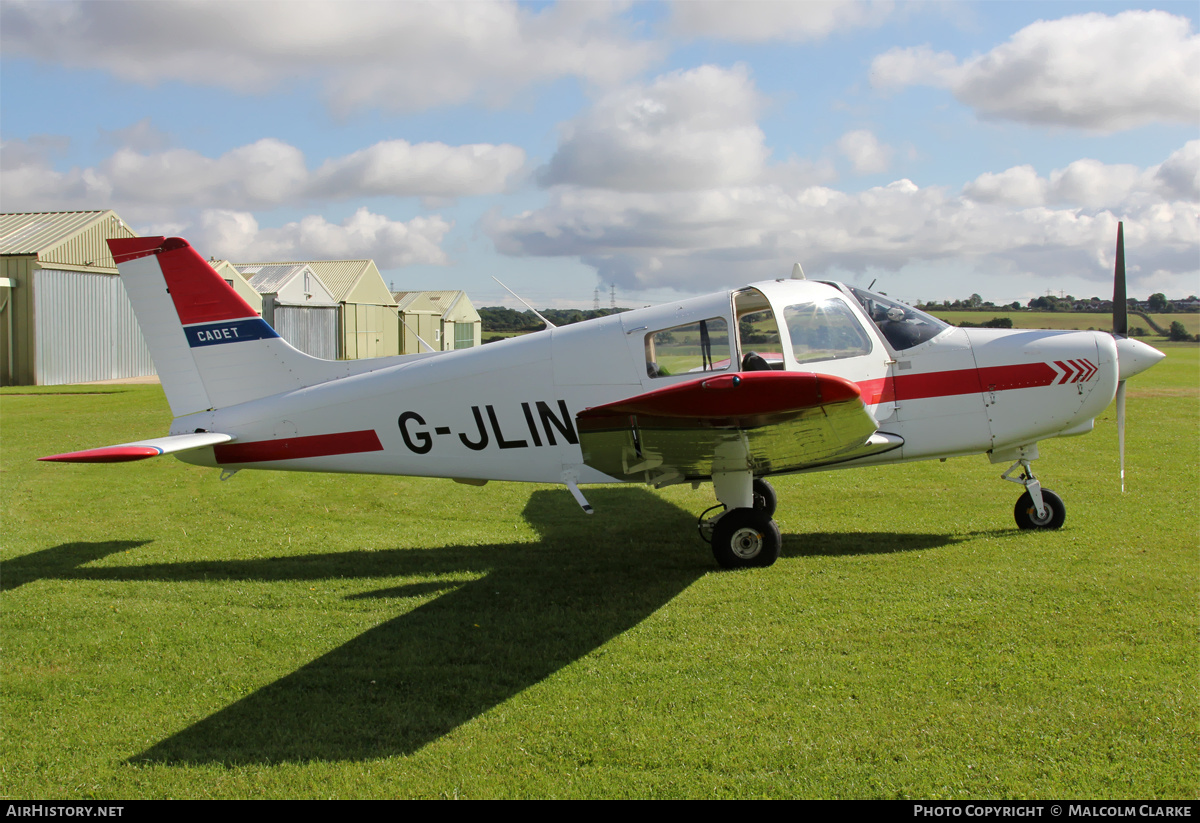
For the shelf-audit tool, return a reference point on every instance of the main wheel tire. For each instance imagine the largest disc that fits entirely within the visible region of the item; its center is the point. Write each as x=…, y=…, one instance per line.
x=745, y=539
x=764, y=497
x=1027, y=516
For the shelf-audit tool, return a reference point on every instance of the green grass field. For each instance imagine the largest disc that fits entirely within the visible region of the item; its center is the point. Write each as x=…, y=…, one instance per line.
x=1071, y=320
x=168, y=635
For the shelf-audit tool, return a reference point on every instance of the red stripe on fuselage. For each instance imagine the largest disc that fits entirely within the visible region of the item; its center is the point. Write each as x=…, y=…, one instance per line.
x=960, y=381
x=295, y=448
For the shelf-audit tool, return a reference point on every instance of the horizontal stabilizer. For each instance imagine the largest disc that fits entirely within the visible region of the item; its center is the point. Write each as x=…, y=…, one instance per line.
x=141, y=449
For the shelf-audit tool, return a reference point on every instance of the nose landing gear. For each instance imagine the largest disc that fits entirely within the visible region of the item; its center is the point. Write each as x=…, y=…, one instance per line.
x=1037, y=508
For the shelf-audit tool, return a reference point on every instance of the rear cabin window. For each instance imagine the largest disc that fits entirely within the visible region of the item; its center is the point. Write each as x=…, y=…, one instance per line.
x=694, y=348
x=825, y=330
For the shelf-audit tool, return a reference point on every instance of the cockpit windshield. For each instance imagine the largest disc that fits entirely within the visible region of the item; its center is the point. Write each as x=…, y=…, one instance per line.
x=902, y=326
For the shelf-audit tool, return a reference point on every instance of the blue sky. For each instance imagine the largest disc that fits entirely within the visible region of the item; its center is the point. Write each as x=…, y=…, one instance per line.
x=940, y=149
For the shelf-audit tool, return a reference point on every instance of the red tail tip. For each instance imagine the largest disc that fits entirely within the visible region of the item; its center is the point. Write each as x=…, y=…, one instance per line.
x=125, y=249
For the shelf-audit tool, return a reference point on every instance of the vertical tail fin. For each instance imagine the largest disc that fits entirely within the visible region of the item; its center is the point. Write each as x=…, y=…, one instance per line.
x=211, y=349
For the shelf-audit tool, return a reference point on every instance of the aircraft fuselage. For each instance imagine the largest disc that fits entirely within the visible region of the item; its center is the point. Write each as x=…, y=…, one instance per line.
x=506, y=411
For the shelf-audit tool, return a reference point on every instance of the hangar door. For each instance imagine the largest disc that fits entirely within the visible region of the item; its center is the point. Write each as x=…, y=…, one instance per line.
x=85, y=329
x=311, y=329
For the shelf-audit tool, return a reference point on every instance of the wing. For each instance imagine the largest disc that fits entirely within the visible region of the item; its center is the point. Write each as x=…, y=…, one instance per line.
x=769, y=422
x=141, y=449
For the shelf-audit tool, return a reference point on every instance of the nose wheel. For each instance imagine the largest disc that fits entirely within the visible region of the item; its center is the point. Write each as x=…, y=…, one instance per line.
x=1037, y=508
x=1052, y=516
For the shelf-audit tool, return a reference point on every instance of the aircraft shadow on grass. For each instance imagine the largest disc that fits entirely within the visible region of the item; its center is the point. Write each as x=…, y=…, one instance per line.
x=58, y=563
x=413, y=679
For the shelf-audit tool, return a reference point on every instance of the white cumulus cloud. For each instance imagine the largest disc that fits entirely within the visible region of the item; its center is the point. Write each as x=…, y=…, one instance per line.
x=265, y=174
x=1091, y=184
x=1179, y=174
x=1091, y=71
x=759, y=20
x=234, y=235
x=864, y=151
x=430, y=169
x=1018, y=186
x=684, y=131
x=1015, y=222
x=395, y=56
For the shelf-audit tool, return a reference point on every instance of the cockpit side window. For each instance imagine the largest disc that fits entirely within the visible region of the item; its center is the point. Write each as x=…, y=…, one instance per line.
x=695, y=347
x=825, y=330
x=902, y=326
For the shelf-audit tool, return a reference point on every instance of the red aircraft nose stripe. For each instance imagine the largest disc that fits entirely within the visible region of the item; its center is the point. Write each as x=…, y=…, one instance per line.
x=295, y=448
x=1076, y=371
x=965, y=381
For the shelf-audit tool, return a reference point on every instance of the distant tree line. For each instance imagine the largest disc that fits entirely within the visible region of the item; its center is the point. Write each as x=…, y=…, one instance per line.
x=1157, y=303
x=994, y=323
x=501, y=319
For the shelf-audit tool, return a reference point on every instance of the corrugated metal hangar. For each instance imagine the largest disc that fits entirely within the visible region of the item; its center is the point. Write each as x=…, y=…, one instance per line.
x=445, y=319
x=370, y=326
x=298, y=305
x=64, y=316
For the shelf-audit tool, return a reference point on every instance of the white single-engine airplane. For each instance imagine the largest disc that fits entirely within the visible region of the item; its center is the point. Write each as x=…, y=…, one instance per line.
x=776, y=377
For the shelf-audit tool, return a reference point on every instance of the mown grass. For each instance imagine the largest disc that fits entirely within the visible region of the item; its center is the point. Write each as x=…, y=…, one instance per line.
x=165, y=634
x=1070, y=320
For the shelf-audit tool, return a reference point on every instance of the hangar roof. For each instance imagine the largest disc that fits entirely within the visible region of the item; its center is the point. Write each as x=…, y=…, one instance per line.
x=55, y=237
x=452, y=303
x=347, y=280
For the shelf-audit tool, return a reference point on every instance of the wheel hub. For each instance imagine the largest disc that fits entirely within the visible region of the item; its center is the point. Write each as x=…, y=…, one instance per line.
x=746, y=543
x=1044, y=519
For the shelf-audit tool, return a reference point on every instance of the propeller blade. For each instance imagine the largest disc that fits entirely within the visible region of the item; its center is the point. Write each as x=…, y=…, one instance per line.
x=1120, y=302
x=1121, y=429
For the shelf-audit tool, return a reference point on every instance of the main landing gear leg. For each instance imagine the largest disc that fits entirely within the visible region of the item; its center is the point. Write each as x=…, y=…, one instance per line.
x=1037, y=508
x=744, y=536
